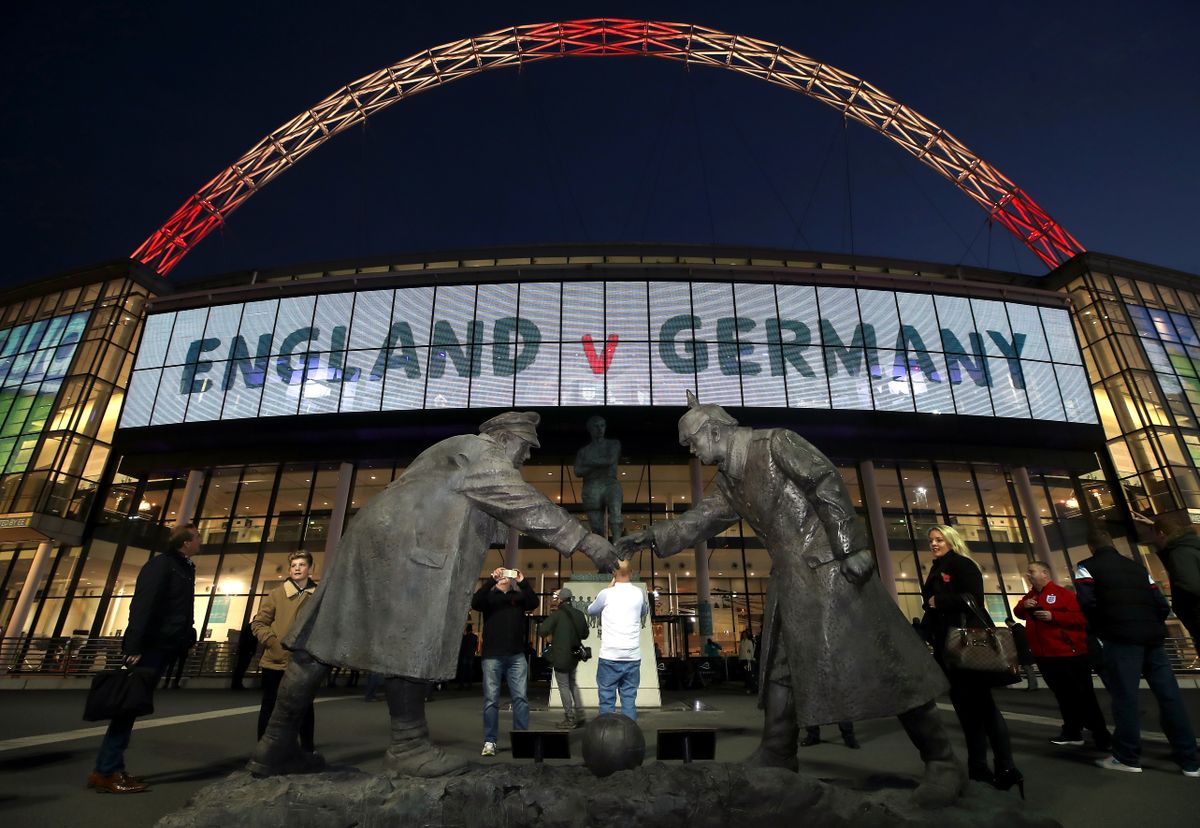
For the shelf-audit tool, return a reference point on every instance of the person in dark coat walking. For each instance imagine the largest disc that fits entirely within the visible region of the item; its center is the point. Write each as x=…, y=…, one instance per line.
x=247, y=646
x=1179, y=549
x=161, y=624
x=467, y=648
x=566, y=628
x=1127, y=611
x=953, y=576
x=1024, y=656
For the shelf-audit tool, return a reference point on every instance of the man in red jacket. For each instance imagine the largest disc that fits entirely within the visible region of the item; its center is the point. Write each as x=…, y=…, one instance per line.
x=1055, y=629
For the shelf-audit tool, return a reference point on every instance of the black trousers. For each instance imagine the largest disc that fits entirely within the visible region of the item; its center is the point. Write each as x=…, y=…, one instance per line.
x=1187, y=610
x=1070, y=679
x=980, y=720
x=270, y=687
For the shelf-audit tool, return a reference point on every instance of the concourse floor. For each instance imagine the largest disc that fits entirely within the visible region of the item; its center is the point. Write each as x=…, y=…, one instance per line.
x=197, y=736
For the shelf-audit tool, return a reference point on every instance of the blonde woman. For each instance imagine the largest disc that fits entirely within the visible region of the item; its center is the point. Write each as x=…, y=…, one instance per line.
x=953, y=575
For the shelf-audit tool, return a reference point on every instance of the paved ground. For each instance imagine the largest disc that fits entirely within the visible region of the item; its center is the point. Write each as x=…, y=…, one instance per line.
x=197, y=736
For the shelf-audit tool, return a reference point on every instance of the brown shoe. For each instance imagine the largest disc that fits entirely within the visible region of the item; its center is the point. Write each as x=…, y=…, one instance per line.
x=118, y=783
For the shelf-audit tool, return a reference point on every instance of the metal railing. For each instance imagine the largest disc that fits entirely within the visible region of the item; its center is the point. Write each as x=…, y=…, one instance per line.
x=79, y=656
x=61, y=656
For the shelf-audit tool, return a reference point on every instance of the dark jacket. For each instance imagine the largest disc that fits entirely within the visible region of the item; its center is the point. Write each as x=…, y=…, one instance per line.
x=568, y=627
x=950, y=576
x=1021, y=642
x=504, y=623
x=1181, y=557
x=160, y=614
x=1120, y=599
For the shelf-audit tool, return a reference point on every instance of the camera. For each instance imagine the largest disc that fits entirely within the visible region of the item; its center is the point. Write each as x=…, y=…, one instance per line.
x=508, y=573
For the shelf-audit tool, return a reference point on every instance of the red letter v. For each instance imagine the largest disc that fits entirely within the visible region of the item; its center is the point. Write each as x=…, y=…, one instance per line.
x=599, y=364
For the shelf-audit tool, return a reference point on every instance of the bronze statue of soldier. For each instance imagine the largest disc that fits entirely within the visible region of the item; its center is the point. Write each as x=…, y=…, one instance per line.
x=828, y=620
x=395, y=596
x=596, y=465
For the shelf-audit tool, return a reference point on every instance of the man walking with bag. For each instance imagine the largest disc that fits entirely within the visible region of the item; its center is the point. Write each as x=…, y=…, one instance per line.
x=160, y=625
x=565, y=629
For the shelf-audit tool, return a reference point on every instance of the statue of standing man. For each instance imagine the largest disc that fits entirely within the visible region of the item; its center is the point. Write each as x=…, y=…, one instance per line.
x=596, y=464
x=835, y=647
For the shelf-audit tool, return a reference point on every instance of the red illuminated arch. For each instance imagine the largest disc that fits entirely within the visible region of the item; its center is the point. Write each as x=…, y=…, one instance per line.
x=683, y=42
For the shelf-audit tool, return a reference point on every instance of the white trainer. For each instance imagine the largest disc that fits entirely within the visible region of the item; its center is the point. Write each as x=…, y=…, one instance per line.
x=1114, y=764
x=489, y=749
x=1194, y=773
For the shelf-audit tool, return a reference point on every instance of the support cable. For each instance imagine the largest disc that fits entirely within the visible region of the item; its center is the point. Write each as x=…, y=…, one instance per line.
x=557, y=164
x=812, y=194
x=849, y=216
x=712, y=226
x=647, y=184
x=929, y=199
x=770, y=182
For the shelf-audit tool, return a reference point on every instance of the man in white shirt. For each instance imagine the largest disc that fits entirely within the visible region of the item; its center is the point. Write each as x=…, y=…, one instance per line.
x=621, y=607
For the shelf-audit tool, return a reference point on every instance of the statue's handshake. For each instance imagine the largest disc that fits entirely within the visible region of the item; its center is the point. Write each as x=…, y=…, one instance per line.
x=602, y=553
x=629, y=545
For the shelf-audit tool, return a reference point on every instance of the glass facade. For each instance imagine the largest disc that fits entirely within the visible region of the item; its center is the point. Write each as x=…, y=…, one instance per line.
x=64, y=362
x=252, y=517
x=759, y=332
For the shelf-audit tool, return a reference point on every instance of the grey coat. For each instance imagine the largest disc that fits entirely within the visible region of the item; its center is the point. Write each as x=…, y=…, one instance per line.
x=851, y=653
x=396, y=595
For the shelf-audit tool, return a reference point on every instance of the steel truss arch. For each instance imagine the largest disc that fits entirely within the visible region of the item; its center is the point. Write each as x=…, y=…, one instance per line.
x=682, y=42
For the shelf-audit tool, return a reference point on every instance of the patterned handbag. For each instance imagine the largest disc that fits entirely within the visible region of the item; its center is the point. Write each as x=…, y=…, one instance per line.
x=989, y=651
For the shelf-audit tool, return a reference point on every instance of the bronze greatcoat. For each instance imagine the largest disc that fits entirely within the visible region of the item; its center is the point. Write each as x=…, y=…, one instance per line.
x=850, y=652
x=396, y=595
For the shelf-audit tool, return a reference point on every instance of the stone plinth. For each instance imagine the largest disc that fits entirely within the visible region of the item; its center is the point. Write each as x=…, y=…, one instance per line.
x=700, y=795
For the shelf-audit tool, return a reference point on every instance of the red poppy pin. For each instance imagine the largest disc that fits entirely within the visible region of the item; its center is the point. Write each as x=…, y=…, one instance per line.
x=945, y=577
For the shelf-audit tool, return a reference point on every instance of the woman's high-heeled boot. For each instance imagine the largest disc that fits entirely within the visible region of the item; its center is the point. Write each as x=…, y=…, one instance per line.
x=1007, y=777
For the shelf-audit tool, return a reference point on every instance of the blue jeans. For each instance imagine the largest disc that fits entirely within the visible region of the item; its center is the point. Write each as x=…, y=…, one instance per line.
x=514, y=669
x=614, y=677
x=1124, y=664
x=111, y=757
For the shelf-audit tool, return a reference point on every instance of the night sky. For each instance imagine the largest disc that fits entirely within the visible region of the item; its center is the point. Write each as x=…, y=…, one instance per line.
x=114, y=113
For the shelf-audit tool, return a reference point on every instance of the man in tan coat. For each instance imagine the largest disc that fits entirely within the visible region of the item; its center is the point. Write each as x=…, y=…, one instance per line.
x=273, y=621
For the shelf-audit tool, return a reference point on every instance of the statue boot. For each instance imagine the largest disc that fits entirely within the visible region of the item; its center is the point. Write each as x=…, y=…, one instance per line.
x=411, y=753
x=278, y=751
x=944, y=776
x=781, y=734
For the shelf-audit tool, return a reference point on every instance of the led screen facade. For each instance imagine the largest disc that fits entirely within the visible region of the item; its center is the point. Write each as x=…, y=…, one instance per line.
x=34, y=358
x=621, y=343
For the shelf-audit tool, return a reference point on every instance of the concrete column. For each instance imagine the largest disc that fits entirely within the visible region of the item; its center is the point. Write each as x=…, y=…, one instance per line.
x=191, y=496
x=37, y=571
x=703, y=593
x=337, y=519
x=883, y=552
x=1041, y=547
x=510, y=548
